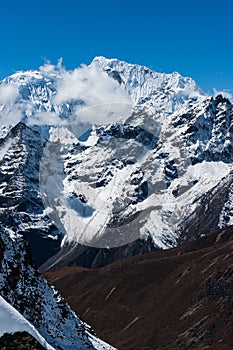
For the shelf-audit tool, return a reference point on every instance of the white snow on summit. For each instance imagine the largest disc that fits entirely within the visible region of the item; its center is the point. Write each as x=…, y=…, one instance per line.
x=54, y=94
x=156, y=92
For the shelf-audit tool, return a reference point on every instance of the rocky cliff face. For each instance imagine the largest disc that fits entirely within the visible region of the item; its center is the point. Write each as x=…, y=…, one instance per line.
x=21, y=204
x=41, y=305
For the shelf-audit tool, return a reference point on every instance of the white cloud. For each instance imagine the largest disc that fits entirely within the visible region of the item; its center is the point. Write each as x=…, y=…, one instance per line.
x=45, y=118
x=104, y=113
x=11, y=117
x=96, y=99
x=102, y=99
x=224, y=93
x=8, y=93
x=48, y=67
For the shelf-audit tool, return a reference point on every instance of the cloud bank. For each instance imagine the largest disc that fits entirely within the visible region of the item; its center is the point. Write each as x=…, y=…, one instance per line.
x=45, y=118
x=97, y=98
x=91, y=86
x=8, y=93
x=93, y=98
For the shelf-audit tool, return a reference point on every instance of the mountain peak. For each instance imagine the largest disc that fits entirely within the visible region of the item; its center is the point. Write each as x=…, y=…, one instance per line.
x=22, y=77
x=153, y=91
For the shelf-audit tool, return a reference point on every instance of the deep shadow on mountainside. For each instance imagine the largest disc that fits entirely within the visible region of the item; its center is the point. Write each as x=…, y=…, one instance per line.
x=19, y=341
x=180, y=298
x=91, y=257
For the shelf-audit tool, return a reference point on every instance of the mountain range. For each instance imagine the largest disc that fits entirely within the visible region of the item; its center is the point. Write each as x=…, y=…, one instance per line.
x=98, y=164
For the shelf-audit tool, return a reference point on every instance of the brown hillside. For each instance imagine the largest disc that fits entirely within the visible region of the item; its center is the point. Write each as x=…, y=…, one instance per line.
x=176, y=299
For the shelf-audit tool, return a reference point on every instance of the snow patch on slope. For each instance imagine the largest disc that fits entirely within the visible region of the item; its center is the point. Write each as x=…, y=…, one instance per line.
x=164, y=223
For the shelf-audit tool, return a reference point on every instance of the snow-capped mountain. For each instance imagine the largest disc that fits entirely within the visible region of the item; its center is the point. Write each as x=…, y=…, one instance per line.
x=158, y=191
x=156, y=92
x=33, y=92
x=133, y=185
x=27, y=303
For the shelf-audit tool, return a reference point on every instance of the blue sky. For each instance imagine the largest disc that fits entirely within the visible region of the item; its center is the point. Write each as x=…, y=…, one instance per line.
x=194, y=38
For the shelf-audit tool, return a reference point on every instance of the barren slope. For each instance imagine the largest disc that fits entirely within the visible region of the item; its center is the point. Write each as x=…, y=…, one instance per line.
x=176, y=299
